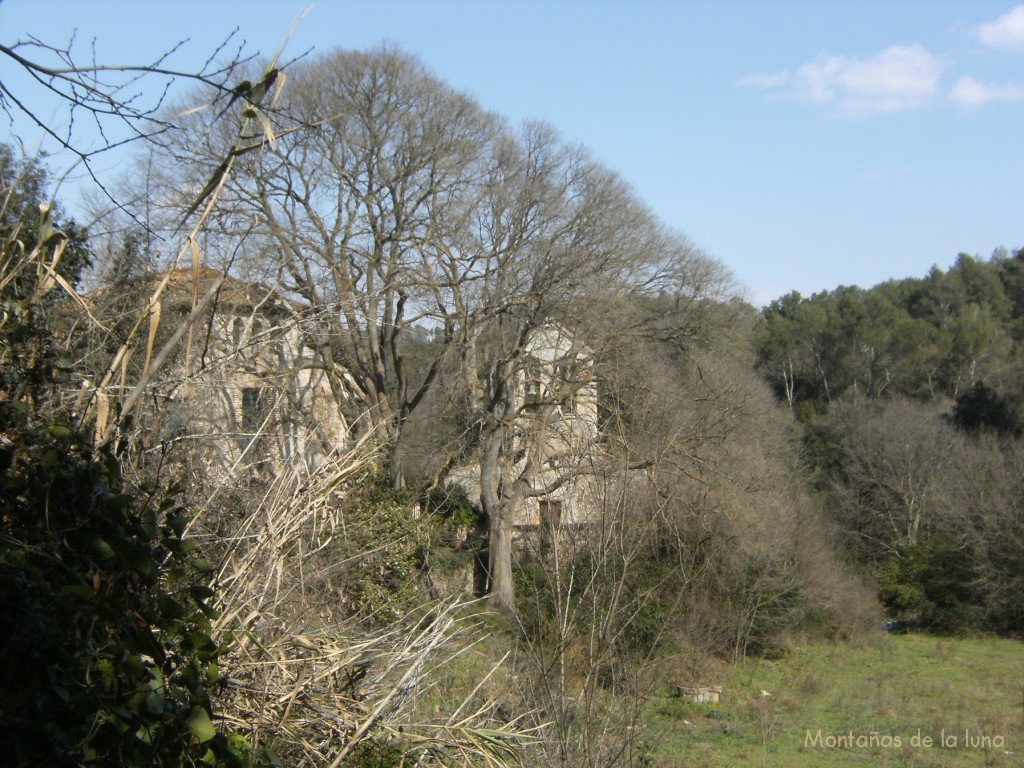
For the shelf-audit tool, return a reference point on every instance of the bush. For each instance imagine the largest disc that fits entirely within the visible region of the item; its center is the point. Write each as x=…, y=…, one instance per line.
x=931, y=583
x=451, y=503
x=982, y=408
x=107, y=653
x=380, y=555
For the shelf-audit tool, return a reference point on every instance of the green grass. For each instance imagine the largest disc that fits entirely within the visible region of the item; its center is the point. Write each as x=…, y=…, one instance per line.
x=873, y=703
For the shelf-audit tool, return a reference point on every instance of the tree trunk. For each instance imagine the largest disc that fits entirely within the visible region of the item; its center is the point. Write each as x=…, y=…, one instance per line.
x=500, y=587
x=502, y=597
x=396, y=466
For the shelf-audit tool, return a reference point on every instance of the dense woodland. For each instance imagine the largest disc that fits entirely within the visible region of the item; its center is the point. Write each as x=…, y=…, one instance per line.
x=805, y=470
x=909, y=397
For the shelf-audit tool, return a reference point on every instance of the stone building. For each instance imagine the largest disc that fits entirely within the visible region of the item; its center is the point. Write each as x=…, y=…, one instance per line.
x=556, y=429
x=244, y=389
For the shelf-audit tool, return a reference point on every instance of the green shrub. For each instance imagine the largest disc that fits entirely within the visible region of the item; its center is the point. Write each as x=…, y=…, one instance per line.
x=106, y=647
x=381, y=554
x=451, y=503
x=536, y=600
x=932, y=583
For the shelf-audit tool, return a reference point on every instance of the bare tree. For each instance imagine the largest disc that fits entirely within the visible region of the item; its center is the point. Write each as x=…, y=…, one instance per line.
x=892, y=483
x=352, y=210
x=564, y=242
x=389, y=201
x=987, y=493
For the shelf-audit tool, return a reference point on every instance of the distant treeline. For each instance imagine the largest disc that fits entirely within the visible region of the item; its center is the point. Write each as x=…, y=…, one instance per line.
x=909, y=395
x=952, y=335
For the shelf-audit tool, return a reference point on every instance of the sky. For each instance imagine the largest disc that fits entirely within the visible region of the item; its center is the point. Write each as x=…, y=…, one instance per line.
x=802, y=144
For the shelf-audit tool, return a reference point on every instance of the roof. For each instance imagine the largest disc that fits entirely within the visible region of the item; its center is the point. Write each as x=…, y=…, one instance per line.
x=187, y=284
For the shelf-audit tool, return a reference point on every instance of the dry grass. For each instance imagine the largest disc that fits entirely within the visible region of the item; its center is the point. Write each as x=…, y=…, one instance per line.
x=314, y=689
x=318, y=697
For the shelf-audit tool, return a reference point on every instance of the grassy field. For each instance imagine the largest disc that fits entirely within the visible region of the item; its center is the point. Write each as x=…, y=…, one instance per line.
x=898, y=700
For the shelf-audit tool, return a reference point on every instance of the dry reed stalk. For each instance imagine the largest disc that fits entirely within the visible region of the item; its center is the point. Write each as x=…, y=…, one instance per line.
x=320, y=694
x=325, y=695
x=324, y=692
x=271, y=83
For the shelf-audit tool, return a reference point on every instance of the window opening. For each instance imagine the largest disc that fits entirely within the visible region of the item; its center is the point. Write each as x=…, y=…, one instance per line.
x=254, y=409
x=532, y=395
x=550, y=513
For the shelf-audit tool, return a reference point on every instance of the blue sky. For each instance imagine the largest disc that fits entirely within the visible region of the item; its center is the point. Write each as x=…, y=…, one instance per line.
x=803, y=144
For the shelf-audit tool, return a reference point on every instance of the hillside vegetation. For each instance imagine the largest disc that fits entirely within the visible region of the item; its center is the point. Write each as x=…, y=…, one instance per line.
x=764, y=487
x=910, y=398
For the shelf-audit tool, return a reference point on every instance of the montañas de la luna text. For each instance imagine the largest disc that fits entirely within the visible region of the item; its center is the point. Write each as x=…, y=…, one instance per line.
x=966, y=739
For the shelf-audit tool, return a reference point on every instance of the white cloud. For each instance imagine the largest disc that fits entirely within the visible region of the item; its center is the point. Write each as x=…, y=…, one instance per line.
x=1005, y=32
x=765, y=80
x=969, y=92
x=898, y=78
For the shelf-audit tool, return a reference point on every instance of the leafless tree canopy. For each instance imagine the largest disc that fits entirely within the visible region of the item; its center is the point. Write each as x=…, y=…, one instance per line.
x=387, y=201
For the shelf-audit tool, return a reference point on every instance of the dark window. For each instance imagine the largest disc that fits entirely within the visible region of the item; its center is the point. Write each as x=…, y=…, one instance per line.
x=532, y=395
x=238, y=331
x=567, y=385
x=254, y=409
x=550, y=513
